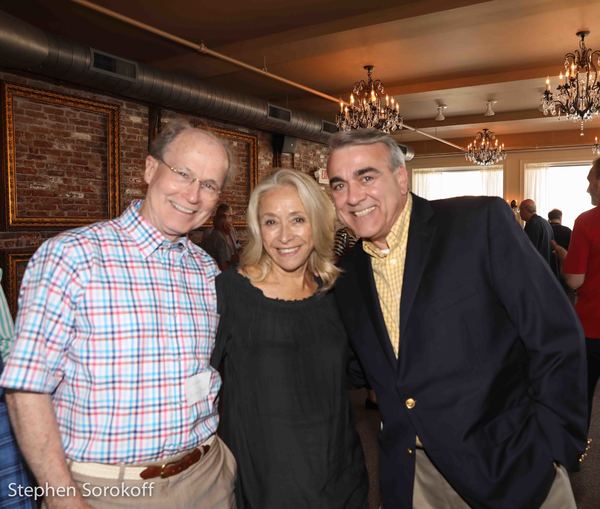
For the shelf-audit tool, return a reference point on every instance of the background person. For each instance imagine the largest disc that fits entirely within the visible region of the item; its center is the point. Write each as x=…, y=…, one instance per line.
x=539, y=232
x=562, y=234
x=284, y=354
x=13, y=472
x=109, y=380
x=6, y=324
x=562, y=237
x=581, y=270
x=222, y=242
x=343, y=241
x=475, y=354
x=515, y=210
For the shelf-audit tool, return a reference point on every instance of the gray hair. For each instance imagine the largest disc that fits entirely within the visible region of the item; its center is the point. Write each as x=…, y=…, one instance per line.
x=596, y=166
x=369, y=137
x=172, y=129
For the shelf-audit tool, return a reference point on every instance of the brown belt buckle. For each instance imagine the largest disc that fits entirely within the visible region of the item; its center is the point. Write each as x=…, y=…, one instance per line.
x=175, y=467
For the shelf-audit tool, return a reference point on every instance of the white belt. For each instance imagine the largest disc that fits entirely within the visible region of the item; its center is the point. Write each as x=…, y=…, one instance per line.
x=123, y=471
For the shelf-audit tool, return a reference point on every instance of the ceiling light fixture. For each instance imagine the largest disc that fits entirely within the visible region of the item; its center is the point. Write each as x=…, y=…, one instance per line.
x=369, y=107
x=489, y=108
x=485, y=149
x=577, y=97
x=596, y=147
x=440, y=112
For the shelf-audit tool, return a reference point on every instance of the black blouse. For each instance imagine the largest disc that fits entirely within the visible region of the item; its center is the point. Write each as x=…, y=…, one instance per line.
x=286, y=415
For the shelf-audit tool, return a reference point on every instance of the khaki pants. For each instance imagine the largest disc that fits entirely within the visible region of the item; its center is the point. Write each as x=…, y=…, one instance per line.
x=432, y=491
x=208, y=484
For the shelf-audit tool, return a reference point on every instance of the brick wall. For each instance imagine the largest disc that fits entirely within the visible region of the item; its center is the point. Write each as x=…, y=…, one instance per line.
x=308, y=158
x=55, y=144
x=50, y=141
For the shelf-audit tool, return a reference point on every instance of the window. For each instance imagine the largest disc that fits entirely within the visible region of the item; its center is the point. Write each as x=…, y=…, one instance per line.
x=439, y=183
x=554, y=186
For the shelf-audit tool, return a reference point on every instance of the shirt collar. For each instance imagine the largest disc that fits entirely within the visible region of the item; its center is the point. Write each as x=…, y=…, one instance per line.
x=394, y=236
x=146, y=236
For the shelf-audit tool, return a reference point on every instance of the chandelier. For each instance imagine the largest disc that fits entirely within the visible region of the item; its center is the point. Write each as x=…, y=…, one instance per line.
x=369, y=107
x=577, y=96
x=485, y=149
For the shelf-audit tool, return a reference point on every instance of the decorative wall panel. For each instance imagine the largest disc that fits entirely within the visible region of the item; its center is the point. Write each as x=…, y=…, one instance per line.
x=13, y=263
x=61, y=159
x=243, y=150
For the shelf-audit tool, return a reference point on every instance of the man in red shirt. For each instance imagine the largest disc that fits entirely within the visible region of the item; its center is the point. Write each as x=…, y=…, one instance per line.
x=581, y=269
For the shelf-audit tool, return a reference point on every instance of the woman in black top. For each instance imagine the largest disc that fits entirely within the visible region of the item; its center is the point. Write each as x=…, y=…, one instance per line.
x=283, y=353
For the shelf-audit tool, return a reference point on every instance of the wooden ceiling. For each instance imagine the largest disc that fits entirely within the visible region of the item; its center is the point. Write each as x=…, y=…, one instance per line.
x=461, y=53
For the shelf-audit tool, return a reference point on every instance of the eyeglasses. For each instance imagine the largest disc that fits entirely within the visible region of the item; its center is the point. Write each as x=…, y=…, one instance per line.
x=183, y=178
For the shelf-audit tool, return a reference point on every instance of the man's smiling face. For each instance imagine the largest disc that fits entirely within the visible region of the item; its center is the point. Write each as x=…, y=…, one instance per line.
x=368, y=194
x=175, y=208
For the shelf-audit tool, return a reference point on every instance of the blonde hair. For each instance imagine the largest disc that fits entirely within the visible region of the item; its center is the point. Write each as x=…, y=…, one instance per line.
x=320, y=213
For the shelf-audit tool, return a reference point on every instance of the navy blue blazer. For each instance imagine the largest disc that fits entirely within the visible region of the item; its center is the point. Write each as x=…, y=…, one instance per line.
x=491, y=372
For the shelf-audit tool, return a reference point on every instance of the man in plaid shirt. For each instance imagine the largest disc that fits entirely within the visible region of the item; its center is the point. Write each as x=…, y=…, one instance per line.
x=109, y=384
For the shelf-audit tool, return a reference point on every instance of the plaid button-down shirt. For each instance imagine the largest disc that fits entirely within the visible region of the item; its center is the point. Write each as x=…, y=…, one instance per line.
x=113, y=319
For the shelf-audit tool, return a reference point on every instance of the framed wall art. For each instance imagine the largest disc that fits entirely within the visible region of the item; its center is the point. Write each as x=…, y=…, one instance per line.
x=60, y=158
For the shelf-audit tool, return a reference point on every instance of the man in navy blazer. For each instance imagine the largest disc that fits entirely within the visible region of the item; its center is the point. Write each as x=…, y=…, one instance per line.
x=481, y=383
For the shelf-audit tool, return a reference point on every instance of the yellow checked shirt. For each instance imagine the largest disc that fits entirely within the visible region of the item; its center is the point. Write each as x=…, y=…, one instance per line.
x=388, y=271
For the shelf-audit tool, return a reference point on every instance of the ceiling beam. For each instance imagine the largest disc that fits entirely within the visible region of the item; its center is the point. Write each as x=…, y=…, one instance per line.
x=520, y=141
x=462, y=80
x=404, y=10
x=479, y=118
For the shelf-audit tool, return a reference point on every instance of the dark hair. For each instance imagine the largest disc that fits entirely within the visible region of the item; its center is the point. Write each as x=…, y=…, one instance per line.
x=554, y=214
x=222, y=208
x=369, y=137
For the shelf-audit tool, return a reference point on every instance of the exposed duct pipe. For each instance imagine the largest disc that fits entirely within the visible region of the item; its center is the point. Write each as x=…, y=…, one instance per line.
x=204, y=50
x=201, y=48
x=25, y=47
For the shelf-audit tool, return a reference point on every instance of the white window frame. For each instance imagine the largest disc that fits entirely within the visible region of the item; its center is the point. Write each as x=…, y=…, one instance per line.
x=494, y=168
x=544, y=205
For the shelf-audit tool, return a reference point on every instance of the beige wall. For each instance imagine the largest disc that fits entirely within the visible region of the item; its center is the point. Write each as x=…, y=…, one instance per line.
x=513, y=165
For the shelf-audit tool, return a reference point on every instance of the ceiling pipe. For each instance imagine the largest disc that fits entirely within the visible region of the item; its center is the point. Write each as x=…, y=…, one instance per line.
x=28, y=48
x=200, y=48
x=204, y=50
x=441, y=140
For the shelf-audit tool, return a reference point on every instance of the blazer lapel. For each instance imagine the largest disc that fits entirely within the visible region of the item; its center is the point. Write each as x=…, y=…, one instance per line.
x=420, y=237
x=369, y=290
